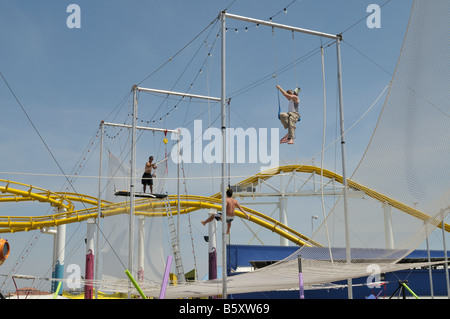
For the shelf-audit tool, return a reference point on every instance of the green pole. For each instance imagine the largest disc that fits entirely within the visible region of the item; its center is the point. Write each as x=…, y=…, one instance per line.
x=57, y=290
x=412, y=292
x=135, y=284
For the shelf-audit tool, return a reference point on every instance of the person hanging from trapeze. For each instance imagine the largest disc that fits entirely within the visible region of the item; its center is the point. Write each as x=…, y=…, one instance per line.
x=231, y=207
x=290, y=119
x=147, y=177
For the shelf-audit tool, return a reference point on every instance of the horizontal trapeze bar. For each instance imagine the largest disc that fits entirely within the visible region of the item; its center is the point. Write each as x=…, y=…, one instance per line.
x=181, y=94
x=142, y=128
x=281, y=26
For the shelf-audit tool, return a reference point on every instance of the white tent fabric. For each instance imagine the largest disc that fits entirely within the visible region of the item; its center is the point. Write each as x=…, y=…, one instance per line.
x=283, y=275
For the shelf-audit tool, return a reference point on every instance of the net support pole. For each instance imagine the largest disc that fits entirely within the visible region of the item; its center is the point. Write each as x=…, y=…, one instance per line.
x=344, y=177
x=212, y=244
x=430, y=272
x=224, y=156
x=141, y=249
x=300, y=278
x=90, y=259
x=162, y=293
x=405, y=286
x=135, y=284
x=55, y=296
x=99, y=209
x=445, y=254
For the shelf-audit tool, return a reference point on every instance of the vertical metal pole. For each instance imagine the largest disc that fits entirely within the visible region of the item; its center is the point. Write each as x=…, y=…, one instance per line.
x=445, y=255
x=430, y=275
x=224, y=168
x=344, y=177
x=212, y=244
x=141, y=249
x=162, y=293
x=133, y=163
x=300, y=278
x=178, y=185
x=99, y=211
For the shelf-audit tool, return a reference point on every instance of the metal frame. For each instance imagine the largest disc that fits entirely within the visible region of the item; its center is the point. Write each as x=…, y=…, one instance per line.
x=223, y=15
x=134, y=128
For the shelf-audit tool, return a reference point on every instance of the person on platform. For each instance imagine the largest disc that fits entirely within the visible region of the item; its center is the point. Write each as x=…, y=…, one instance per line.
x=147, y=177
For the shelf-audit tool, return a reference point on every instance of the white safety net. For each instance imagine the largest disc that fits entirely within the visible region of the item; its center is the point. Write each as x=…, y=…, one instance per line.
x=115, y=249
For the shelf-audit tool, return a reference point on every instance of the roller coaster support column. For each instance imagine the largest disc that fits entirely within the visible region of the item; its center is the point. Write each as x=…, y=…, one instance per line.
x=282, y=205
x=60, y=255
x=59, y=243
x=90, y=257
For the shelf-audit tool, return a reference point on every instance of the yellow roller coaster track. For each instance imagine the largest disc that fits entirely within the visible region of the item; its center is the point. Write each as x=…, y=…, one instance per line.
x=154, y=208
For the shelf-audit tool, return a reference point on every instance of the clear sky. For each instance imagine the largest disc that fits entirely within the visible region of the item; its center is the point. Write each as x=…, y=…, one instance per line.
x=67, y=80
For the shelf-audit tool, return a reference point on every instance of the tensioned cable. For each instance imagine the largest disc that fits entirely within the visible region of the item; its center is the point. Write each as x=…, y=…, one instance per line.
x=179, y=51
x=140, y=82
x=51, y=154
x=362, y=19
x=190, y=42
x=184, y=71
x=63, y=173
x=323, y=151
x=271, y=75
x=285, y=68
x=368, y=58
x=332, y=143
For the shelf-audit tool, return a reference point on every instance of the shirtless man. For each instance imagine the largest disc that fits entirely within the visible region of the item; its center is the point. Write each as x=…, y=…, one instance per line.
x=147, y=177
x=231, y=207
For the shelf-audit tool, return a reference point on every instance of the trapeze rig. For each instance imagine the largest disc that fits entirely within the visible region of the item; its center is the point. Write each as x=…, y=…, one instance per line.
x=223, y=16
x=132, y=193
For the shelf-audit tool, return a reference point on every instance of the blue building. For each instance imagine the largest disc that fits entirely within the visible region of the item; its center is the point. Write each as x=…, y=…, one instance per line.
x=241, y=257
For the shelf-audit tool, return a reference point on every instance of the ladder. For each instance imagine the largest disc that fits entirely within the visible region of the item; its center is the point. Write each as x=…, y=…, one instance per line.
x=175, y=242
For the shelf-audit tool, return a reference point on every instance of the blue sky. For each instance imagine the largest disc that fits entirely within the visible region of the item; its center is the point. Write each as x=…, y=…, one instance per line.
x=68, y=80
